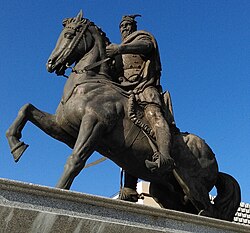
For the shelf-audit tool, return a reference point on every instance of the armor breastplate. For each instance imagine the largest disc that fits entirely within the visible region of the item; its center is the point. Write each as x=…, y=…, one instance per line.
x=132, y=65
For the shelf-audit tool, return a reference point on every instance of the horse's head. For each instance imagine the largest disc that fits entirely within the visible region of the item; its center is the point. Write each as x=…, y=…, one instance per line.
x=74, y=41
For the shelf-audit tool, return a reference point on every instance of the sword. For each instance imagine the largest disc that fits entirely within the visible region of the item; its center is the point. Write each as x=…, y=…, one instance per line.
x=92, y=66
x=179, y=179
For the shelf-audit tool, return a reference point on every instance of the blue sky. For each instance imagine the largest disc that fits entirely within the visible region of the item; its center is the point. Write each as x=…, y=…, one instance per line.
x=205, y=53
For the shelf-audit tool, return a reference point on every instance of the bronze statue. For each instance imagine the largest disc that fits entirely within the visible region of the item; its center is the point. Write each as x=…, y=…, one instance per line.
x=140, y=71
x=95, y=115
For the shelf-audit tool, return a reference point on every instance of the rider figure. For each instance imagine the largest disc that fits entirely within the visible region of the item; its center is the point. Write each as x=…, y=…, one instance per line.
x=141, y=71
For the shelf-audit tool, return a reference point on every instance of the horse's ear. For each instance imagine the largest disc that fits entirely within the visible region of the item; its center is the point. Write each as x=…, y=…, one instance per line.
x=65, y=21
x=79, y=16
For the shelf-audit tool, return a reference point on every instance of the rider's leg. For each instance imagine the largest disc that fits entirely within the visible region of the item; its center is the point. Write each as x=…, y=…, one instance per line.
x=154, y=115
x=161, y=160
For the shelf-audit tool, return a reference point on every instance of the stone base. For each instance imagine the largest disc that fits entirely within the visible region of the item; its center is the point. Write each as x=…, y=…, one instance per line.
x=31, y=208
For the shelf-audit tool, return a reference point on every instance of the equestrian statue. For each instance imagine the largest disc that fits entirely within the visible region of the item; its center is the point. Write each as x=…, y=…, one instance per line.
x=113, y=103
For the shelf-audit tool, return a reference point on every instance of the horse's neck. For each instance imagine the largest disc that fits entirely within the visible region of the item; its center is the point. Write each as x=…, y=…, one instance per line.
x=95, y=54
x=89, y=58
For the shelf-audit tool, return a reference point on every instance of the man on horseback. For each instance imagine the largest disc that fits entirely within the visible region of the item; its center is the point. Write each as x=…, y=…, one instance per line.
x=139, y=69
x=90, y=118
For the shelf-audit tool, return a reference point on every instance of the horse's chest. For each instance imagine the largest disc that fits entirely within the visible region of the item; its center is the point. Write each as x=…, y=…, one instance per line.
x=79, y=90
x=89, y=100
x=87, y=93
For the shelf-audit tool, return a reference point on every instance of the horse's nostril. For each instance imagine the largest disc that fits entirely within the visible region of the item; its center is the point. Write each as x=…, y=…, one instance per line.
x=49, y=66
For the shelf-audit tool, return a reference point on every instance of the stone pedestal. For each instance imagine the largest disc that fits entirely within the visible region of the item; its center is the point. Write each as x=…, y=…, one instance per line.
x=31, y=208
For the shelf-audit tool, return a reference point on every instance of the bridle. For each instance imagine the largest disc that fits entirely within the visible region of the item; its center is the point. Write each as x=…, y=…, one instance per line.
x=84, y=23
x=76, y=40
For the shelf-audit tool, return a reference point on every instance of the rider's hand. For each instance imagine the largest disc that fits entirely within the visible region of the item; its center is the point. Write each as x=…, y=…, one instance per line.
x=112, y=50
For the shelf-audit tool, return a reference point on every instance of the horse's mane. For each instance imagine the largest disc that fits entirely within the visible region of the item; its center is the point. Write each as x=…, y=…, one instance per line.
x=102, y=33
x=67, y=21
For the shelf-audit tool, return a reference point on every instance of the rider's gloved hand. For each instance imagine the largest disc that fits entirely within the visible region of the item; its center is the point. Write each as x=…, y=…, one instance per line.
x=112, y=50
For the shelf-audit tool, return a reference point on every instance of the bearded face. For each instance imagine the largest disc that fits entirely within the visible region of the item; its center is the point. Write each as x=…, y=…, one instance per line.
x=126, y=28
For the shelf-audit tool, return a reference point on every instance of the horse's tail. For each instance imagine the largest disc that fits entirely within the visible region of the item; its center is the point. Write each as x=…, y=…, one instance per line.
x=228, y=197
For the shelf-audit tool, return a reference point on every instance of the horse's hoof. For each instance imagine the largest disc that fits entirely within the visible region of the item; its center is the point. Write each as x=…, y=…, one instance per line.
x=128, y=194
x=18, y=150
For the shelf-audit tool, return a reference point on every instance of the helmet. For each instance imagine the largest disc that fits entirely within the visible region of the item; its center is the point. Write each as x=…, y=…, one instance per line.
x=129, y=18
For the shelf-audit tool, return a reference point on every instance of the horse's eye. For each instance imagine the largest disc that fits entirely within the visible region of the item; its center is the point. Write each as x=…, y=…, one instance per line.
x=69, y=35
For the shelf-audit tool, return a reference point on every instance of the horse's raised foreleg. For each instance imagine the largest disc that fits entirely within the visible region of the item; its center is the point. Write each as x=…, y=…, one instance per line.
x=90, y=131
x=43, y=120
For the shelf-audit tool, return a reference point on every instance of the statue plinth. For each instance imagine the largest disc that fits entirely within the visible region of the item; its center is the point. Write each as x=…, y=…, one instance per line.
x=32, y=208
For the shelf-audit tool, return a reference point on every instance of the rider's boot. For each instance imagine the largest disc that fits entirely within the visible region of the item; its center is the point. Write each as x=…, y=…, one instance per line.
x=161, y=160
x=160, y=163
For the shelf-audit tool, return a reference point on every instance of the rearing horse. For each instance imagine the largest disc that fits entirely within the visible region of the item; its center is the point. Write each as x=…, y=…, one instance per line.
x=93, y=116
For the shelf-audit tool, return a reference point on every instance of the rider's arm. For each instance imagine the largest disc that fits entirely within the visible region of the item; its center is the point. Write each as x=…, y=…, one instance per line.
x=135, y=47
x=142, y=45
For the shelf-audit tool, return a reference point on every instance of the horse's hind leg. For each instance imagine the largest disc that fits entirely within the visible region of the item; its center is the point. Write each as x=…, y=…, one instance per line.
x=90, y=131
x=128, y=192
x=44, y=121
x=167, y=196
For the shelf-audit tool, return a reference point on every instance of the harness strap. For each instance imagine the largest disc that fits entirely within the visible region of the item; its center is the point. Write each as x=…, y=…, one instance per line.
x=80, y=36
x=131, y=136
